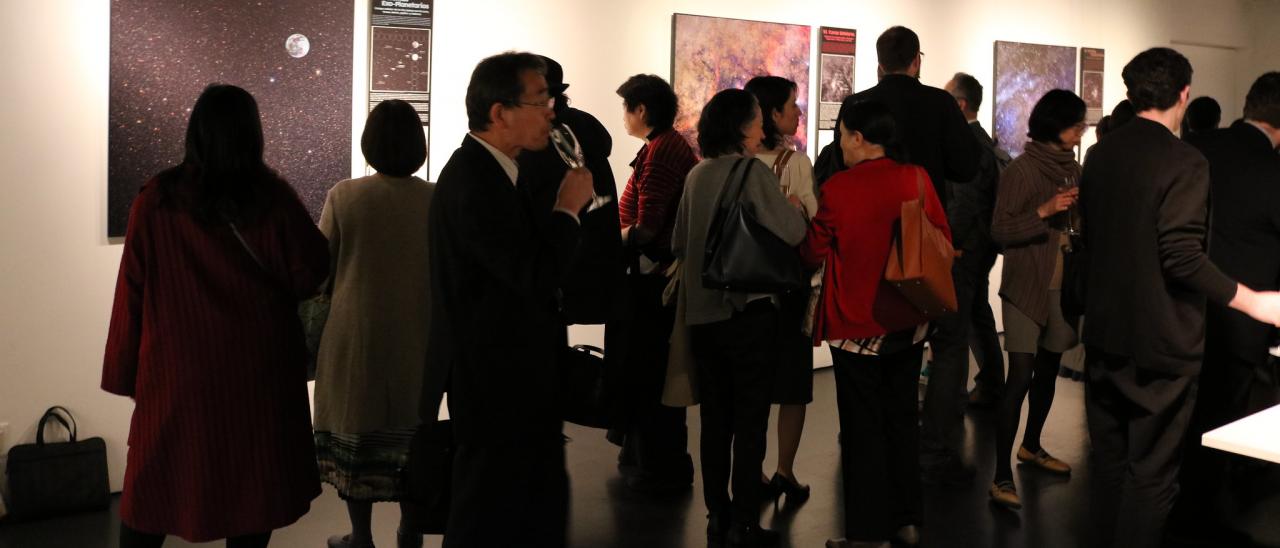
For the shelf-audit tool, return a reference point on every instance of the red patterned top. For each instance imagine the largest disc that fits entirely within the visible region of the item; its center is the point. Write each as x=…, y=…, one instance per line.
x=654, y=189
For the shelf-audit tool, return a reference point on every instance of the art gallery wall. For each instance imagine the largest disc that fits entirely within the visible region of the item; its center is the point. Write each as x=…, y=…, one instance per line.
x=58, y=268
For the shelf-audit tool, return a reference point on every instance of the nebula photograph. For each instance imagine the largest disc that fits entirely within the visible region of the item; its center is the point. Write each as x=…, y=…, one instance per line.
x=710, y=54
x=1023, y=74
x=294, y=56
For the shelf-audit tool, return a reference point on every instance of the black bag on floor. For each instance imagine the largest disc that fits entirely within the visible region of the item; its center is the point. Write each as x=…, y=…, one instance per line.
x=582, y=385
x=54, y=479
x=428, y=478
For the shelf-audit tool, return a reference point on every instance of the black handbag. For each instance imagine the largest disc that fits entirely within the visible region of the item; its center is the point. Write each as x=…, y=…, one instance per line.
x=742, y=255
x=582, y=386
x=55, y=479
x=428, y=478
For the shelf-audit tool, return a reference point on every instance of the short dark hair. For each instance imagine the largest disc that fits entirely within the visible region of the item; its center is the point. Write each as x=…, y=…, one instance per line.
x=1155, y=79
x=875, y=122
x=659, y=100
x=497, y=79
x=1263, y=102
x=897, y=48
x=1058, y=110
x=1203, y=114
x=968, y=89
x=772, y=92
x=720, y=125
x=1122, y=114
x=393, y=141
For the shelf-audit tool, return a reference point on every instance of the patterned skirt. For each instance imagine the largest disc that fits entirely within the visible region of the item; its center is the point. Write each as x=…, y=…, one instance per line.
x=364, y=467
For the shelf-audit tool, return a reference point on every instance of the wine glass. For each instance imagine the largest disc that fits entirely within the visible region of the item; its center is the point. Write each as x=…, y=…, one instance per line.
x=570, y=150
x=1071, y=228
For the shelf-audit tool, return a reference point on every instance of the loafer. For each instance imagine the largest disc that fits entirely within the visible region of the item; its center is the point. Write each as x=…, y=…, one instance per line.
x=1004, y=494
x=1044, y=461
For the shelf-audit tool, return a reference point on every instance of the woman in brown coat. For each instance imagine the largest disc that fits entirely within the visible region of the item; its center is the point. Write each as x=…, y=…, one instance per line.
x=1031, y=215
x=369, y=368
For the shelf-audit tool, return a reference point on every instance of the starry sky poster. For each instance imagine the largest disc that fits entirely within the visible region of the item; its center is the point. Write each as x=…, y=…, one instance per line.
x=709, y=54
x=294, y=56
x=1024, y=73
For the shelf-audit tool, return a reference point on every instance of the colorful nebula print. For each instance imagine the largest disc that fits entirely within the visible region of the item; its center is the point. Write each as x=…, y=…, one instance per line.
x=163, y=54
x=710, y=54
x=1024, y=73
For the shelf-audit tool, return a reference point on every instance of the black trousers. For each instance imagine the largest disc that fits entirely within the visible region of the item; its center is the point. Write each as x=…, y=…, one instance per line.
x=973, y=275
x=655, y=435
x=736, y=367
x=943, y=426
x=509, y=495
x=876, y=398
x=1137, y=425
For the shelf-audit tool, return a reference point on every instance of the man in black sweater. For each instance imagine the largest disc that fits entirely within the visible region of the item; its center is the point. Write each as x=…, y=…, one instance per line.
x=1143, y=197
x=1244, y=173
x=934, y=135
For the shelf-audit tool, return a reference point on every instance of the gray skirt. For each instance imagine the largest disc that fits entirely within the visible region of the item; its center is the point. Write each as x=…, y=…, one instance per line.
x=1023, y=334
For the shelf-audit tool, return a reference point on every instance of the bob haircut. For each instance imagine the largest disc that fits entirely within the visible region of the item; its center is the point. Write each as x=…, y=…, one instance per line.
x=720, y=126
x=772, y=92
x=393, y=141
x=1057, y=111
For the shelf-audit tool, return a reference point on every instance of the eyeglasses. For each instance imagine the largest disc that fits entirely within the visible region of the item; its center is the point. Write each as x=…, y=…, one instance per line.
x=549, y=104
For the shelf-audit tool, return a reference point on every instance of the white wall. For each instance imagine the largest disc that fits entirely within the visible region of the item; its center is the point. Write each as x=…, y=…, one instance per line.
x=58, y=267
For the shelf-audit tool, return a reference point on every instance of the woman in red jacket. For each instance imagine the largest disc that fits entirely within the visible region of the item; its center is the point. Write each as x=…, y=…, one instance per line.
x=205, y=338
x=876, y=335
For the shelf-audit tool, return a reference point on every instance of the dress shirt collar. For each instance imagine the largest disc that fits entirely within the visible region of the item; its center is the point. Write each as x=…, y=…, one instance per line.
x=508, y=164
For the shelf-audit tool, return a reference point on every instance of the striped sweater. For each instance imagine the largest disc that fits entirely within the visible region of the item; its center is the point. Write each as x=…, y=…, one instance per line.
x=653, y=191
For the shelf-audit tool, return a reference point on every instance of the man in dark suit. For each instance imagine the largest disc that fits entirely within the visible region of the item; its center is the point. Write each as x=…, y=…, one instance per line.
x=935, y=136
x=495, y=330
x=1143, y=197
x=969, y=213
x=1244, y=175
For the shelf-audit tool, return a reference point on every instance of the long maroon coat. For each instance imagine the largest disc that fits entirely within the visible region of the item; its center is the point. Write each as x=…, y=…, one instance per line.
x=210, y=348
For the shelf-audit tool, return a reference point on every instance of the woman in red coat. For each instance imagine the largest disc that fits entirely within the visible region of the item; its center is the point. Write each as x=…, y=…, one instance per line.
x=876, y=335
x=205, y=338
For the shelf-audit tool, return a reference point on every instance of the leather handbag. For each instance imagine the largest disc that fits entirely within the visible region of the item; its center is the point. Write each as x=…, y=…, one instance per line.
x=54, y=479
x=428, y=478
x=920, y=260
x=582, y=386
x=743, y=255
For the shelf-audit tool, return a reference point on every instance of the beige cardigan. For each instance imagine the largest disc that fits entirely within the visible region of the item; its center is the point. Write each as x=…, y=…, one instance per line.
x=369, y=368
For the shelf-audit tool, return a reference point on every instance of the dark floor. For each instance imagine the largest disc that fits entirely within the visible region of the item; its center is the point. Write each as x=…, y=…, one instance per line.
x=605, y=514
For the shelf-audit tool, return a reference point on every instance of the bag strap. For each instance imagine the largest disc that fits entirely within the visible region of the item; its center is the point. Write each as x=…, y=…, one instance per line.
x=52, y=413
x=281, y=285
x=780, y=161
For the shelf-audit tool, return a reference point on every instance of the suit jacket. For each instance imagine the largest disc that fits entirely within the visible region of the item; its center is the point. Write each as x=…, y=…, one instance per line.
x=932, y=129
x=597, y=271
x=495, y=332
x=972, y=203
x=1244, y=175
x=1144, y=201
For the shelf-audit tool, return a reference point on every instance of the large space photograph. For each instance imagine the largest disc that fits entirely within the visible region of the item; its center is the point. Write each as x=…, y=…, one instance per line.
x=294, y=56
x=1024, y=73
x=709, y=54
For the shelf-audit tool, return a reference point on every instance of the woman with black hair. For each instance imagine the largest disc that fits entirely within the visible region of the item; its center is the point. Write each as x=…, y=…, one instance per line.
x=876, y=336
x=205, y=338
x=734, y=334
x=369, y=368
x=793, y=389
x=1030, y=223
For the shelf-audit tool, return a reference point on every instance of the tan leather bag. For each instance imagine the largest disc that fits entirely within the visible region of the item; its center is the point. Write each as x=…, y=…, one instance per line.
x=920, y=260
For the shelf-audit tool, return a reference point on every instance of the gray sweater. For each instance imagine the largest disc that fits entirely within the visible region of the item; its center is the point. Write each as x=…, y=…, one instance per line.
x=697, y=209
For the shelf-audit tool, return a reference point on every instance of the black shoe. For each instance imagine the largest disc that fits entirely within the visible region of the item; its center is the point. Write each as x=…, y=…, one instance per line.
x=751, y=536
x=717, y=529
x=781, y=485
x=408, y=540
x=950, y=474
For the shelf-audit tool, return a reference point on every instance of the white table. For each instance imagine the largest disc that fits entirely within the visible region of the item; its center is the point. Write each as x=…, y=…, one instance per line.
x=1257, y=436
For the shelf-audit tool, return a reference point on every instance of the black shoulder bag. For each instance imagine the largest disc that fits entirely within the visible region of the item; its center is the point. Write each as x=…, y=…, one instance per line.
x=743, y=255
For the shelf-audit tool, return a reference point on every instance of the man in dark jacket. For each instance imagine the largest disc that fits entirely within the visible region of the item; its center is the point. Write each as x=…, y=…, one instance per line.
x=935, y=136
x=1143, y=196
x=970, y=216
x=1244, y=174
x=495, y=332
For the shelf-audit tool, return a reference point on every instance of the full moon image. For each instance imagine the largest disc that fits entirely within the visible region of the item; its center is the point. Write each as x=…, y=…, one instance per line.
x=297, y=45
